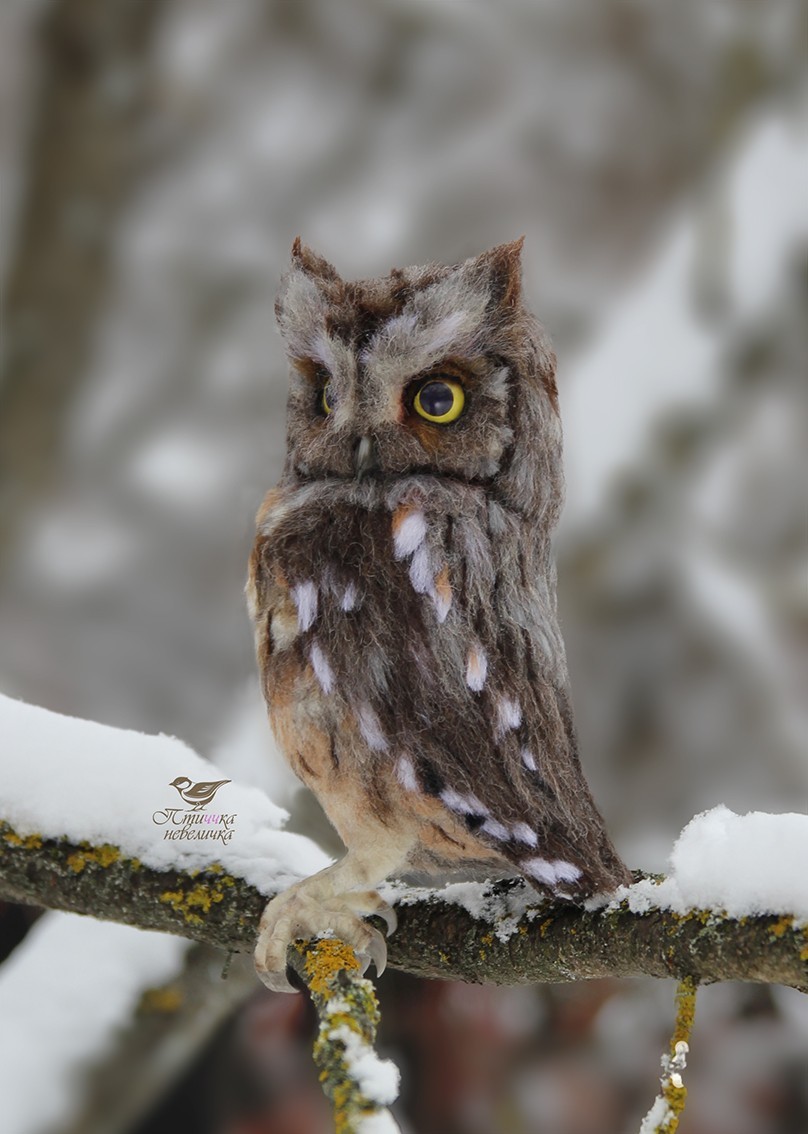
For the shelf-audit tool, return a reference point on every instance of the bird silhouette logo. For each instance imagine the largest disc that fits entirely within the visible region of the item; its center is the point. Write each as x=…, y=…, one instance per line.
x=197, y=795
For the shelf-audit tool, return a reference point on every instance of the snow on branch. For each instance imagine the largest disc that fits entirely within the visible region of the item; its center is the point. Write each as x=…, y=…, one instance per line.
x=88, y=824
x=359, y=1085
x=498, y=934
x=664, y=1115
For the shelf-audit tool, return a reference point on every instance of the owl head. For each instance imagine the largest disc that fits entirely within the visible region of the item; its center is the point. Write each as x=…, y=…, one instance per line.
x=430, y=371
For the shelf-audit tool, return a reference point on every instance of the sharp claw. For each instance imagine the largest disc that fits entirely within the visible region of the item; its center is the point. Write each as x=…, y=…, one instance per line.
x=377, y=951
x=275, y=982
x=388, y=915
x=283, y=920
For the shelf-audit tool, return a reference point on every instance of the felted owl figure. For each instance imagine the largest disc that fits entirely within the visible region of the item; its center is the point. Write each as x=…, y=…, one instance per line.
x=403, y=595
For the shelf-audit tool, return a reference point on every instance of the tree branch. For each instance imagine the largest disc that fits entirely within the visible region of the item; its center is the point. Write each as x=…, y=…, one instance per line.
x=357, y=1083
x=171, y=1025
x=664, y=1115
x=549, y=942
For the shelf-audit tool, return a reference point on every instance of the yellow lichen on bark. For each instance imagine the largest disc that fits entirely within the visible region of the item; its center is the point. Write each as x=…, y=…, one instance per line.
x=197, y=900
x=782, y=926
x=663, y=1118
x=349, y=1015
x=324, y=960
x=103, y=855
x=685, y=1012
x=21, y=842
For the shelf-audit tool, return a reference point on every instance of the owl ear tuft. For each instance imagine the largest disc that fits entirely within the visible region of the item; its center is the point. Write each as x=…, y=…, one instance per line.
x=501, y=266
x=311, y=263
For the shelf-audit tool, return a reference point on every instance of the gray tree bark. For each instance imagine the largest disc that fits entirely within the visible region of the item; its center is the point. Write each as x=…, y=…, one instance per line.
x=550, y=942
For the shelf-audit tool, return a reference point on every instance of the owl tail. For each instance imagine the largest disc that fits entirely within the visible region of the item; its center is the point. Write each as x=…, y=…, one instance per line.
x=574, y=868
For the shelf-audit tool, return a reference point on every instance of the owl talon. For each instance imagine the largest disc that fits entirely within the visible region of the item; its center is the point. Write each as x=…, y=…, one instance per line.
x=299, y=914
x=389, y=917
x=274, y=980
x=375, y=951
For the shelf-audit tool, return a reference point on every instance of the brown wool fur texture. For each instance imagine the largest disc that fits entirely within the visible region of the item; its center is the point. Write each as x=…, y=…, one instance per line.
x=402, y=585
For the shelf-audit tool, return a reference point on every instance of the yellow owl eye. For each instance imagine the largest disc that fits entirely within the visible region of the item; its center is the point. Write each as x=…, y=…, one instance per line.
x=327, y=399
x=440, y=400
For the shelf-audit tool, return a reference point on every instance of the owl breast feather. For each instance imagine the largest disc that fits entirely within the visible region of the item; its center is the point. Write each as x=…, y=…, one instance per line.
x=424, y=611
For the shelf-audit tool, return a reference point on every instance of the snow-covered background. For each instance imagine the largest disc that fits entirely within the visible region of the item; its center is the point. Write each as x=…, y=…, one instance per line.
x=655, y=156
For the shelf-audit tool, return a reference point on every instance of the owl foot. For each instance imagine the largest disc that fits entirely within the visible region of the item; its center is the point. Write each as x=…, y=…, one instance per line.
x=301, y=913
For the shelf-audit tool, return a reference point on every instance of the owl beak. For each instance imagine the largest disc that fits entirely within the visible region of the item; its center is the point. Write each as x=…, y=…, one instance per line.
x=365, y=458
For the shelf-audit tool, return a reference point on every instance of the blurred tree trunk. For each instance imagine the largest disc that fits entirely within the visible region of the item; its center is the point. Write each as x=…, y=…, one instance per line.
x=84, y=155
x=165, y=1034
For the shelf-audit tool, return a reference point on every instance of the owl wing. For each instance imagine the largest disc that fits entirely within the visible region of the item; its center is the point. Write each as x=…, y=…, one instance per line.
x=484, y=712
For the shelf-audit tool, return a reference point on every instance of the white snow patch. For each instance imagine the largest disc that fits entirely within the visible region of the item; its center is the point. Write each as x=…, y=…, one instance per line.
x=741, y=864
x=501, y=910
x=78, y=780
x=379, y=1123
x=182, y=469
x=63, y=995
x=657, y=1116
x=654, y=354
x=378, y=1079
